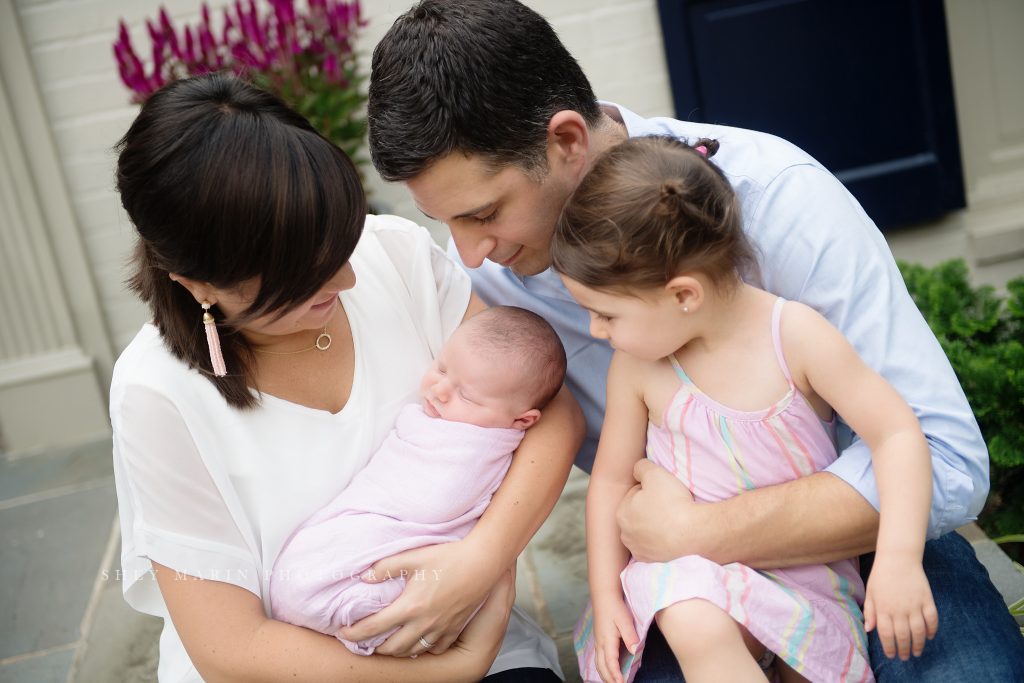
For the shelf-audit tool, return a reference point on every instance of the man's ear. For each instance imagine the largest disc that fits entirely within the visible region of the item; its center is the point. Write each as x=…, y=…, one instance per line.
x=200, y=291
x=687, y=291
x=527, y=419
x=568, y=139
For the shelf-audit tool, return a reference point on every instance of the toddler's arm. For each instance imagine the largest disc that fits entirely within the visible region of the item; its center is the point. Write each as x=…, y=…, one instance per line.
x=623, y=438
x=898, y=602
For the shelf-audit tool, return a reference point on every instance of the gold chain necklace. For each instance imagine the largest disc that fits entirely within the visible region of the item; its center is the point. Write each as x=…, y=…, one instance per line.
x=322, y=343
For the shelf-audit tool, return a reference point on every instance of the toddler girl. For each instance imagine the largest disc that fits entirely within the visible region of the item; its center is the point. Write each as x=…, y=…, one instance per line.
x=730, y=388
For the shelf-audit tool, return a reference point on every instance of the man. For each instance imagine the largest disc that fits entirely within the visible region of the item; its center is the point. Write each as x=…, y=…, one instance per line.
x=478, y=108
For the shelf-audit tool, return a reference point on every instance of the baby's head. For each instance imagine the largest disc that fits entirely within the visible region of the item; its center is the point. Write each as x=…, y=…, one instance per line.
x=650, y=209
x=500, y=368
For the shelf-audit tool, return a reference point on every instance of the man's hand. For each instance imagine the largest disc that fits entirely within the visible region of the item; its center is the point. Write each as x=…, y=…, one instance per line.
x=445, y=585
x=658, y=502
x=899, y=604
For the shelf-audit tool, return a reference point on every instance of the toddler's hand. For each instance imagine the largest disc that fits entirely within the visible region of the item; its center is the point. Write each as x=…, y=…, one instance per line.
x=899, y=604
x=613, y=626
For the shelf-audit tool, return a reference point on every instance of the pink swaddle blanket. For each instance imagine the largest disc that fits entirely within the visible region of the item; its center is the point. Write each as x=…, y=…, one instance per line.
x=428, y=483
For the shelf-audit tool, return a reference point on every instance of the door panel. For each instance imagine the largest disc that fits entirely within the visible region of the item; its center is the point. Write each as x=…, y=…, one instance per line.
x=863, y=85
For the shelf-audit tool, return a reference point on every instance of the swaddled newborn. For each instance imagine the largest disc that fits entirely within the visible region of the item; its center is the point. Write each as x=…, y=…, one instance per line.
x=432, y=477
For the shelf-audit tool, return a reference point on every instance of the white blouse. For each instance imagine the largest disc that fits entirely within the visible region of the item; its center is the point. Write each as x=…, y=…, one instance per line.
x=212, y=491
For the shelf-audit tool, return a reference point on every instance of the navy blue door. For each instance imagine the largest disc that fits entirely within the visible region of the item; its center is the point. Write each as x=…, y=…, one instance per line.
x=863, y=85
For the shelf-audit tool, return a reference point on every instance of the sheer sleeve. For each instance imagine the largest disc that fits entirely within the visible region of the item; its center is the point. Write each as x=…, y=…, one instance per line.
x=439, y=287
x=171, y=510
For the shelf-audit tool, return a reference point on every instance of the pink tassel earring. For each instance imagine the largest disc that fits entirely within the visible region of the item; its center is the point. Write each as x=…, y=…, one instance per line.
x=213, y=340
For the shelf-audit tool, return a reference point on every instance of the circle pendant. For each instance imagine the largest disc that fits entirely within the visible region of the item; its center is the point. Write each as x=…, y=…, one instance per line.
x=323, y=342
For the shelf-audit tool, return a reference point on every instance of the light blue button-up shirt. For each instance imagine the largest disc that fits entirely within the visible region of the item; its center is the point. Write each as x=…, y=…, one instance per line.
x=816, y=245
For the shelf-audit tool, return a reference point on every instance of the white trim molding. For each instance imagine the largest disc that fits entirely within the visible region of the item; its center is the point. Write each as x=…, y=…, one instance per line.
x=55, y=353
x=986, y=53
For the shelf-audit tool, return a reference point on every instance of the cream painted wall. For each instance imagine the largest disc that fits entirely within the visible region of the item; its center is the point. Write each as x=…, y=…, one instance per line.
x=69, y=41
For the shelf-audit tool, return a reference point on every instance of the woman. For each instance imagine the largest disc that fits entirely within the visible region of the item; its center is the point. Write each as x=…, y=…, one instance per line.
x=285, y=338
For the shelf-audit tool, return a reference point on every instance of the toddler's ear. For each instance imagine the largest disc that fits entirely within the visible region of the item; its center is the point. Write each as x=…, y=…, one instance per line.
x=687, y=291
x=527, y=419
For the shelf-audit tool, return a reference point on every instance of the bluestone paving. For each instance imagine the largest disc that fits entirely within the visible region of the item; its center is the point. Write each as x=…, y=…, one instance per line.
x=56, y=471
x=1005, y=575
x=52, y=552
x=559, y=556
x=48, y=668
x=123, y=644
x=556, y=558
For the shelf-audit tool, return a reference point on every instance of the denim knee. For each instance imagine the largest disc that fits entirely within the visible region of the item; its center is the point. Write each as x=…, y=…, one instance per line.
x=977, y=640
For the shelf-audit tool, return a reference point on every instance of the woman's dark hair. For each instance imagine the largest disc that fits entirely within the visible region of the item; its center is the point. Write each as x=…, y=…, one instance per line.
x=476, y=76
x=649, y=209
x=225, y=183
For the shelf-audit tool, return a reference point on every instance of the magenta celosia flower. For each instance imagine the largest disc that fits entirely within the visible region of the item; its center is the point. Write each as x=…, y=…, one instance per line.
x=304, y=56
x=332, y=71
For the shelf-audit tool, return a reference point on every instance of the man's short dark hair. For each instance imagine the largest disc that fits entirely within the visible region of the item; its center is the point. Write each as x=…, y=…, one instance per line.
x=482, y=77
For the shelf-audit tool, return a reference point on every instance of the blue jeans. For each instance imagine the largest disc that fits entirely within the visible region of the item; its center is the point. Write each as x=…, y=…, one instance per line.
x=978, y=640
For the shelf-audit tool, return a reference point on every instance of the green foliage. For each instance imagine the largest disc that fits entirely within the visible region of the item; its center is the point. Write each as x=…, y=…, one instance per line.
x=302, y=53
x=983, y=336
x=336, y=110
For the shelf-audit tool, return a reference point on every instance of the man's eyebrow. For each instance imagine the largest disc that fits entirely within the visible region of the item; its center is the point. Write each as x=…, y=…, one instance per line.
x=464, y=214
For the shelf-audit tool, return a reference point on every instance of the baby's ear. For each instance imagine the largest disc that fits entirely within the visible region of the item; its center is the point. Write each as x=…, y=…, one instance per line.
x=527, y=419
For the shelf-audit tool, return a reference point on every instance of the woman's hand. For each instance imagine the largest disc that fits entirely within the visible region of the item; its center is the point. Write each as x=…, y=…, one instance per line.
x=642, y=514
x=445, y=585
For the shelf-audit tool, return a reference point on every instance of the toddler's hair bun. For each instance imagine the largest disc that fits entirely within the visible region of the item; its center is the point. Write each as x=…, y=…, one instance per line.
x=671, y=188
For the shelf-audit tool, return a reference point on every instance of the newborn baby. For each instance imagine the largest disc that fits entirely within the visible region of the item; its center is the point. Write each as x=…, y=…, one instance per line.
x=432, y=477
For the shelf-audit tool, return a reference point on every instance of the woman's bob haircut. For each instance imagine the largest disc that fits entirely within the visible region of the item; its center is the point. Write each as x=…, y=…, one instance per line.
x=226, y=184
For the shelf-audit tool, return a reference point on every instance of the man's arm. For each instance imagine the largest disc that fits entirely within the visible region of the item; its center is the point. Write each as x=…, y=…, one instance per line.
x=815, y=519
x=819, y=248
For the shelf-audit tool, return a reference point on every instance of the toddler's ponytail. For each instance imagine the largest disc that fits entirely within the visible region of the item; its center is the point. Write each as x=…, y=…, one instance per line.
x=649, y=209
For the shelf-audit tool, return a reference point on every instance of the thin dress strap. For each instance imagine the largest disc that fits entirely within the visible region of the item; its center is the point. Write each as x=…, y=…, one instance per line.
x=777, y=337
x=679, y=369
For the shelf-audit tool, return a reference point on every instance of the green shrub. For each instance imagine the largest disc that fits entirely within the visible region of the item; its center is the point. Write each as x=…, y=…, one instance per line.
x=982, y=335
x=302, y=53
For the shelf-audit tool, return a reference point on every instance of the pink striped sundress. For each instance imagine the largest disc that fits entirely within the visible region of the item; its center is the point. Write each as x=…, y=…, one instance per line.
x=809, y=616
